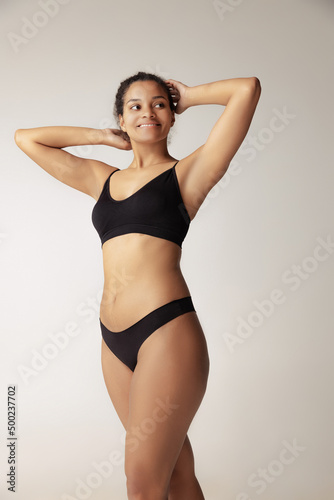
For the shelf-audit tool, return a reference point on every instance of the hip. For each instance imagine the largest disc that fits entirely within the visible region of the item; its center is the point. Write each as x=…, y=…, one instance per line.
x=134, y=298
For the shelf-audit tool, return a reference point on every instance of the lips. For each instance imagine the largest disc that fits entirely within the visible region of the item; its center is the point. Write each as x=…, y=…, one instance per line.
x=142, y=125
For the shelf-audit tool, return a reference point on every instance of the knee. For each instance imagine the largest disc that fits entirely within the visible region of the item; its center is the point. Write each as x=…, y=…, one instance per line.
x=144, y=484
x=184, y=469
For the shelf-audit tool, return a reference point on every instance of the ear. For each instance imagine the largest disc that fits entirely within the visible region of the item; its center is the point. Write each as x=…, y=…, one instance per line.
x=121, y=122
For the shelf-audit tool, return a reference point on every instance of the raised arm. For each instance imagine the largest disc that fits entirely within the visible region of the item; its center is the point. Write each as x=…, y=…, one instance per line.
x=44, y=146
x=207, y=165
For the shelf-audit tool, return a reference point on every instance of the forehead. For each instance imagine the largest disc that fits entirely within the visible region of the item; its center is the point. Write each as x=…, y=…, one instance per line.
x=140, y=90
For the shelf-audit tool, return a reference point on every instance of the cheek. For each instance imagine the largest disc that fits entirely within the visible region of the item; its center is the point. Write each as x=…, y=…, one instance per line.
x=130, y=119
x=126, y=121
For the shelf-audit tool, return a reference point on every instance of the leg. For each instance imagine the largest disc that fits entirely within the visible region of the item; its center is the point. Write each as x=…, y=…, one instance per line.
x=166, y=390
x=184, y=484
x=118, y=378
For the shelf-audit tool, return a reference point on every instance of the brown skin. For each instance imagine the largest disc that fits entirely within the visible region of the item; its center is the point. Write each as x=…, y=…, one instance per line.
x=143, y=272
x=154, y=277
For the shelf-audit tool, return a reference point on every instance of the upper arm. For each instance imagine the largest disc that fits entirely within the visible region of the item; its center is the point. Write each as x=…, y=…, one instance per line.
x=207, y=165
x=83, y=174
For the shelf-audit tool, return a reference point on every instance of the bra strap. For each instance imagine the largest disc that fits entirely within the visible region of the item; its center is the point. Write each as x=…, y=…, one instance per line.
x=113, y=172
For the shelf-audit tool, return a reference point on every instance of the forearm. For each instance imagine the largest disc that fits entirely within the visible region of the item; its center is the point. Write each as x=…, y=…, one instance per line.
x=60, y=137
x=221, y=91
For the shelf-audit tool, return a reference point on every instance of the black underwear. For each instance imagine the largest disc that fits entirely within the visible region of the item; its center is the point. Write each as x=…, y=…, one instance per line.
x=126, y=343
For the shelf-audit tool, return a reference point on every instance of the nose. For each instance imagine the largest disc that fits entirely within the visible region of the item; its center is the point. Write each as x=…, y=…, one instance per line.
x=147, y=111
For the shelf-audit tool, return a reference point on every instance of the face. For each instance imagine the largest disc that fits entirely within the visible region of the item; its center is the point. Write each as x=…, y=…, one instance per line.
x=147, y=116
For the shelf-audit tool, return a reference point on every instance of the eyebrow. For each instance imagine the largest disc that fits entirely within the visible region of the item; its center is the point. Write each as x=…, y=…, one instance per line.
x=154, y=97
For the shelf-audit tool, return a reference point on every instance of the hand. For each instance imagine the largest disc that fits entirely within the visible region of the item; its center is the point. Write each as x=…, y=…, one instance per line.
x=178, y=91
x=116, y=138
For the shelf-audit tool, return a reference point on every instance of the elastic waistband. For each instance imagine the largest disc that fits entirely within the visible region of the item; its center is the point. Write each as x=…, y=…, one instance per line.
x=170, y=309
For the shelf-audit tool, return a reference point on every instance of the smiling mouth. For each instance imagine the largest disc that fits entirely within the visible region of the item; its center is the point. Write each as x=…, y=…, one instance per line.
x=149, y=125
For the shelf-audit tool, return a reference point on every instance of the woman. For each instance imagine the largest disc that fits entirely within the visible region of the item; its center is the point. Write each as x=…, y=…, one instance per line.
x=154, y=353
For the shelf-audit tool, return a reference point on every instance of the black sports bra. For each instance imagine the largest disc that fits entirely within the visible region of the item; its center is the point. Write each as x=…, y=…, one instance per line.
x=156, y=209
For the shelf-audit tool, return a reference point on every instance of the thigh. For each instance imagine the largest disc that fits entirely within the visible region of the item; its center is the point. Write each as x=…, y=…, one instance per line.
x=117, y=377
x=166, y=390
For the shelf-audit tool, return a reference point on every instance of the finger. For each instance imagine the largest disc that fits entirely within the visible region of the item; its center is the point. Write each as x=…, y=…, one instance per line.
x=172, y=87
x=170, y=80
x=174, y=91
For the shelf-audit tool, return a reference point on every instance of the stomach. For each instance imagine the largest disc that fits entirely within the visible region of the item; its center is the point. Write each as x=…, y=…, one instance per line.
x=141, y=273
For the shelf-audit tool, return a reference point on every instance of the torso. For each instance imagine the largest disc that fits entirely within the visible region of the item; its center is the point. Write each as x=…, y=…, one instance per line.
x=141, y=272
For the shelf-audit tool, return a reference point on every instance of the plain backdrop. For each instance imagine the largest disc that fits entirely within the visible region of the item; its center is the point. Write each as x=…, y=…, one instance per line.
x=258, y=258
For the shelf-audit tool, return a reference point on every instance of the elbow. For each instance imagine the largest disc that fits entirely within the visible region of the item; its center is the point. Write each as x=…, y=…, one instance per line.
x=252, y=88
x=255, y=85
x=256, y=81
x=18, y=136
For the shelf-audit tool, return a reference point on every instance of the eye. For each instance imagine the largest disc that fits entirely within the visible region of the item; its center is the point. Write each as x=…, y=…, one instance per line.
x=134, y=106
x=160, y=104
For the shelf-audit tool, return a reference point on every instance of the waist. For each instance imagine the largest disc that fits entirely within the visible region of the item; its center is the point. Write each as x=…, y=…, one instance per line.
x=135, y=262
x=126, y=301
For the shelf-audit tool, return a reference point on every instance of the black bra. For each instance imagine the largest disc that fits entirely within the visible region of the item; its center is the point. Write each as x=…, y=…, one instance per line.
x=156, y=209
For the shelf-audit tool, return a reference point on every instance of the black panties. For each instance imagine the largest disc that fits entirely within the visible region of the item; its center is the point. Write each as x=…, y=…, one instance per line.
x=126, y=343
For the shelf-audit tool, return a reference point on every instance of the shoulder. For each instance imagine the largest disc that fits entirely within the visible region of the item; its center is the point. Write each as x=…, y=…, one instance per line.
x=101, y=172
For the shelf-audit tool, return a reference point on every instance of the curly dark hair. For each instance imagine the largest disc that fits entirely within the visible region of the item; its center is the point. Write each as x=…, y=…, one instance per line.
x=141, y=76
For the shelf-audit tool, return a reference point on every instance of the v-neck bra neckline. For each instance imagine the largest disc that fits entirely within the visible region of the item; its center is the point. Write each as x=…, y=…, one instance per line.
x=140, y=189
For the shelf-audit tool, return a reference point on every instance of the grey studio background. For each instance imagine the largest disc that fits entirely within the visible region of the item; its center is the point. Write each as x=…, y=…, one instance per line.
x=258, y=258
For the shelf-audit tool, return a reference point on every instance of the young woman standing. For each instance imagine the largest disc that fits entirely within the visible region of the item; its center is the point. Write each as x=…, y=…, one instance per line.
x=154, y=353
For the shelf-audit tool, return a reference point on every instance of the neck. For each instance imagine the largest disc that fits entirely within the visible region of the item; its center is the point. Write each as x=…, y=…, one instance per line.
x=148, y=155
